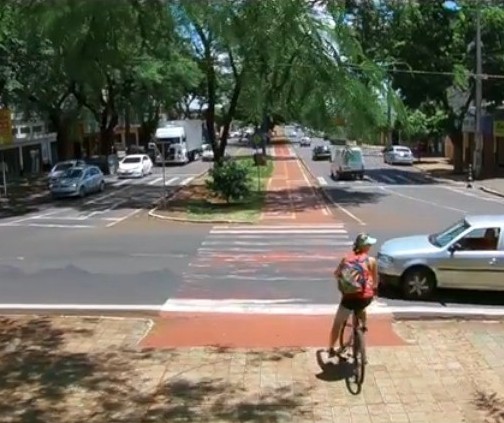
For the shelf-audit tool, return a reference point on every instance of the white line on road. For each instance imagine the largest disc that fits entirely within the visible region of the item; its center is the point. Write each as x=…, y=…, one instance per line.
x=187, y=180
x=122, y=219
x=321, y=180
x=387, y=179
x=155, y=181
x=120, y=182
x=50, y=225
x=170, y=181
x=331, y=226
x=347, y=212
x=260, y=307
x=420, y=200
x=278, y=231
x=278, y=243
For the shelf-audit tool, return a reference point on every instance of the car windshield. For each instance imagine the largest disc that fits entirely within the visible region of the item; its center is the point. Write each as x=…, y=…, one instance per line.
x=63, y=166
x=131, y=160
x=73, y=173
x=443, y=238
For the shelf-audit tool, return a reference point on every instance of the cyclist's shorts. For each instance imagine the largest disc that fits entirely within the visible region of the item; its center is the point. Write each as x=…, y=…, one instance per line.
x=355, y=304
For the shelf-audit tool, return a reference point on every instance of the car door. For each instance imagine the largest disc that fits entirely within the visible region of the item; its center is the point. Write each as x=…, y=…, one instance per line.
x=474, y=261
x=95, y=178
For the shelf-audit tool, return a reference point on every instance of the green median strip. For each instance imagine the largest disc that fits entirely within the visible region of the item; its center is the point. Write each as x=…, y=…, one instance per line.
x=247, y=209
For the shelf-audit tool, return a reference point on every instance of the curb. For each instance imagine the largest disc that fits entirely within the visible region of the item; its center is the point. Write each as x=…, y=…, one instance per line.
x=409, y=316
x=153, y=212
x=491, y=191
x=445, y=180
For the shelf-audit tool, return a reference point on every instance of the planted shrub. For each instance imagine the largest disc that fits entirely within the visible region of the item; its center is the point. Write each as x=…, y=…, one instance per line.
x=229, y=180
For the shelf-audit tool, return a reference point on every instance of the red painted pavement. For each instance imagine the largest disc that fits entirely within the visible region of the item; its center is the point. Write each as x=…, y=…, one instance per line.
x=291, y=198
x=257, y=331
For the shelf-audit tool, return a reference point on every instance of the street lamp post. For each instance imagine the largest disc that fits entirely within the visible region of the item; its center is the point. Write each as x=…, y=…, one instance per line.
x=478, y=136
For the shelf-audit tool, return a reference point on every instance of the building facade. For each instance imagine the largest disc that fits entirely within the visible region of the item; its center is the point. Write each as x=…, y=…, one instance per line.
x=26, y=147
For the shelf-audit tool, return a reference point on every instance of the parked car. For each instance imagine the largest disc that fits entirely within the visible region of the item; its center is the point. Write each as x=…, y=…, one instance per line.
x=135, y=166
x=321, y=152
x=467, y=255
x=61, y=167
x=78, y=181
x=305, y=142
x=397, y=154
x=347, y=162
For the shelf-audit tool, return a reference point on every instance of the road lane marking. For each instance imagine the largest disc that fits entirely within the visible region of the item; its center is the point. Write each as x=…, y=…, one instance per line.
x=119, y=182
x=321, y=180
x=404, y=178
x=330, y=226
x=431, y=203
x=387, y=179
x=187, y=180
x=275, y=231
x=122, y=219
x=291, y=306
x=155, y=181
x=170, y=181
x=49, y=225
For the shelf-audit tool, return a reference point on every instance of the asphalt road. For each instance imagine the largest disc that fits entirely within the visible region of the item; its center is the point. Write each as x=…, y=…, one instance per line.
x=396, y=201
x=101, y=250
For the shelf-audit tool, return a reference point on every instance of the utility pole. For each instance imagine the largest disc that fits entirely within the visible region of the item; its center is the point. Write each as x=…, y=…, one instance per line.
x=478, y=136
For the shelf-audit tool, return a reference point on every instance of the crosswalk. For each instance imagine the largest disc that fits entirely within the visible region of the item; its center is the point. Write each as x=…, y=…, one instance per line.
x=152, y=180
x=287, y=263
x=383, y=178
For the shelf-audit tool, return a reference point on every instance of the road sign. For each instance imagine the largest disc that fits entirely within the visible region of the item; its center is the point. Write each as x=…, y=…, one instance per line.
x=5, y=127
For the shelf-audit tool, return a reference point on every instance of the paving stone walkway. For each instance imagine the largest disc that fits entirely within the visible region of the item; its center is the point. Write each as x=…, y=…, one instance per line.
x=71, y=369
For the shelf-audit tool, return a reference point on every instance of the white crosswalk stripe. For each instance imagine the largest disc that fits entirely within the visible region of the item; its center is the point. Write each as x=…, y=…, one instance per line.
x=386, y=179
x=151, y=180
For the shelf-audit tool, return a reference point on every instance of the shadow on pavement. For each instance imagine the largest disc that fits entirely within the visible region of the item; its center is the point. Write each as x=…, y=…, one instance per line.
x=335, y=372
x=491, y=405
x=345, y=196
x=454, y=296
x=44, y=379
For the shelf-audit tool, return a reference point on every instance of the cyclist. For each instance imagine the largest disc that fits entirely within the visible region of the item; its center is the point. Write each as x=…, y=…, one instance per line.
x=357, y=276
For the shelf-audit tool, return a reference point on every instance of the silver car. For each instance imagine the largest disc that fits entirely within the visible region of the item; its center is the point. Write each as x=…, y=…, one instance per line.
x=61, y=167
x=467, y=255
x=78, y=181
x=396, y=154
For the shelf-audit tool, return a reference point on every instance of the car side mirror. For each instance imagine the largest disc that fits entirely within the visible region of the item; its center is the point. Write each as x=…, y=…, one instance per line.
x=454, y=247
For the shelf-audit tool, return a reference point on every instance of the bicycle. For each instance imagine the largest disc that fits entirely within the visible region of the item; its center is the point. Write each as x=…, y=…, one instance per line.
x=355, y=340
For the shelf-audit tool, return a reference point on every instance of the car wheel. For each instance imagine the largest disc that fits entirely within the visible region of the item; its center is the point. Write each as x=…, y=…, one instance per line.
x=361, y=176
x=418, y=283
x=102, y=186
x=142, y=175
x=82, y=192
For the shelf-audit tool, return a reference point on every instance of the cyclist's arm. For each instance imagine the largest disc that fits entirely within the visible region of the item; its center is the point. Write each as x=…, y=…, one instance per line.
x=374, y=272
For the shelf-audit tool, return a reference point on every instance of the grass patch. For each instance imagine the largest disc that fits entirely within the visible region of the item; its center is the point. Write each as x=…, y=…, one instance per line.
x=246, y=210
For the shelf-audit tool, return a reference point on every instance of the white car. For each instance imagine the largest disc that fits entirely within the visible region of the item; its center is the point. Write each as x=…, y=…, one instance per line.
x=305, y=142
x=398, y=154
x=135, y=166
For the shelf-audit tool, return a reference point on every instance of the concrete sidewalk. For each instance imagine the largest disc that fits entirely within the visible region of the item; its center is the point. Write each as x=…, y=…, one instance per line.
x=69, y=369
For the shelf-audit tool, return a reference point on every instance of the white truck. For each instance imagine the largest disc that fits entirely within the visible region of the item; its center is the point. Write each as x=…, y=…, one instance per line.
x=181, y=141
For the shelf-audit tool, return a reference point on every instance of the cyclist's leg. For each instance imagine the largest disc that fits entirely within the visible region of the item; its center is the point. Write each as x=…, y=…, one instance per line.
x=340, y=318
x=361, y=312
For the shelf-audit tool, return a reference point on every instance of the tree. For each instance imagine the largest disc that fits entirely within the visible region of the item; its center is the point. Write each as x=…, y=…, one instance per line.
x=426, y=48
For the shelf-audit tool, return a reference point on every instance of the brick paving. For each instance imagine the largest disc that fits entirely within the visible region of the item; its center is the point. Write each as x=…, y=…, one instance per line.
x=70, y=369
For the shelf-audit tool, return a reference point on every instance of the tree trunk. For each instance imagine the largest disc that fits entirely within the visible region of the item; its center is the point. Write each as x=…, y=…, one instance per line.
x=65, y=145
x=107, y=126
x=458, y=154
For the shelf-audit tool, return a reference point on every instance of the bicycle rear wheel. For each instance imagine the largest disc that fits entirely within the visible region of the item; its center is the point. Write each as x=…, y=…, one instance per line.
x=359, y=357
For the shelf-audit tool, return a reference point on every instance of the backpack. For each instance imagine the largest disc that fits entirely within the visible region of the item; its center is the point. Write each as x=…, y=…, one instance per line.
x=354, y=275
